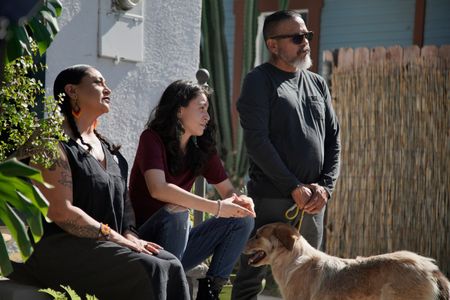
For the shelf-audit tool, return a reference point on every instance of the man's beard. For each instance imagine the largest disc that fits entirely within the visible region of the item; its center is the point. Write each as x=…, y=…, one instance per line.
x=303, y=64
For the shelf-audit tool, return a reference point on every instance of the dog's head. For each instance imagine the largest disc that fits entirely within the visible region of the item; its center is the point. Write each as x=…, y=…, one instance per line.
x=268, y=240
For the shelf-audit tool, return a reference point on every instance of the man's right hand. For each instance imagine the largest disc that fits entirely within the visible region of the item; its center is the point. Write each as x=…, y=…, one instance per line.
x=301, y=195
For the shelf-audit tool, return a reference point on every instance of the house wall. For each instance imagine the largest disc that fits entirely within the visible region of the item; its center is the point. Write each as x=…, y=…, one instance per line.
x=353, y=23
x=171, y=51
x=437, y=24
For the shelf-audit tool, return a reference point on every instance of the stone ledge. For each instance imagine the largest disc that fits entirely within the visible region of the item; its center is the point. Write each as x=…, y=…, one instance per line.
x=10, y=290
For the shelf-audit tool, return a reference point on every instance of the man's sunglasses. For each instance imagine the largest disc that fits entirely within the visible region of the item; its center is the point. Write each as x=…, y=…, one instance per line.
x=296, y=38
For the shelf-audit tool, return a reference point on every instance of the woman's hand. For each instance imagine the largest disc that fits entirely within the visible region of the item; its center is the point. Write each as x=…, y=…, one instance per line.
x=231, y=208
x=130, y=240
x=245, y=201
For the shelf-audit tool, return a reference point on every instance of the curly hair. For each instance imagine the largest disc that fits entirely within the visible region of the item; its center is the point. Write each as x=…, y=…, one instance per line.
x=74, y=75
x=164, y=120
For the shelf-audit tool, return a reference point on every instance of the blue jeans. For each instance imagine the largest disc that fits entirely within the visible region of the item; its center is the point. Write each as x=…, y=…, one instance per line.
x=223, y=238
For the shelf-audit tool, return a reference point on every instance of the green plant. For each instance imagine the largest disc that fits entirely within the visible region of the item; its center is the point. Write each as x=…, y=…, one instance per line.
x=214, y=58
x=26, y=198
x=62, y=296
x=225, y=294
x=40, y=29
x=24, y=135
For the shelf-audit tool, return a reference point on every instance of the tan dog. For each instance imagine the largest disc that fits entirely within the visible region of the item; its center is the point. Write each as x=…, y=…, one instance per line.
x=303, y=272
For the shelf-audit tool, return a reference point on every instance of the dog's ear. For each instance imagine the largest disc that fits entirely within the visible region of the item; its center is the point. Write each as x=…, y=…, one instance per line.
x=286, y=235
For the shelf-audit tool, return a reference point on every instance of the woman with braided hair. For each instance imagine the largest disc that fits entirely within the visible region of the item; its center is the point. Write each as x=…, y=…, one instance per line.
x=91, y=245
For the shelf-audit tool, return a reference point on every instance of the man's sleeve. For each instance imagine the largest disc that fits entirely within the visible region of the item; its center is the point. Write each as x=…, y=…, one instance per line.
x=254, y=111
x=332, y=149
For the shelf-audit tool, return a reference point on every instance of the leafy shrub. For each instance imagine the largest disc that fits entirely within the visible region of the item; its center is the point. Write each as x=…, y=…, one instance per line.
x=62, y=295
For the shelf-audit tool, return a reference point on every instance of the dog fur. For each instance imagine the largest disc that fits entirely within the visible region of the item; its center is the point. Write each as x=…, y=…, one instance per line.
x=303, y=272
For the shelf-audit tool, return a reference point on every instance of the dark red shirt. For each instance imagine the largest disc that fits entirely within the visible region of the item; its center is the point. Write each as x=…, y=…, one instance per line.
x=151, y=154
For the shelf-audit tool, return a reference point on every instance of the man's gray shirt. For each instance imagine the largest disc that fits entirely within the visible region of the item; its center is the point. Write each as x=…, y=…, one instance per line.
x=290, y=130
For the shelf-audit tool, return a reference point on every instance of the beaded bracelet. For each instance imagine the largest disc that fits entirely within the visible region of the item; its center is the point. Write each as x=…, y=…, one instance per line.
x=104, y=231
x=219, y=202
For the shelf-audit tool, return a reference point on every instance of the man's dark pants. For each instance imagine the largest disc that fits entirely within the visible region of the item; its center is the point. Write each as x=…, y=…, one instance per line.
x=268, y=210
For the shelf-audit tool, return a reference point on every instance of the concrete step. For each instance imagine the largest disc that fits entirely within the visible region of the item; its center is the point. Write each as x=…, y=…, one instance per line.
x=10, y=290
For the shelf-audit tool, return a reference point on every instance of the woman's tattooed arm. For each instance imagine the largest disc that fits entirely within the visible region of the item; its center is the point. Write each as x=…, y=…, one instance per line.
x=76, y=227
x=70, y=218
x=65, y=177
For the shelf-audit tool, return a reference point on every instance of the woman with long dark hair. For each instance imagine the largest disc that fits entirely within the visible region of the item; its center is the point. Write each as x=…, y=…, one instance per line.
x=91, y=245
x=177, y=146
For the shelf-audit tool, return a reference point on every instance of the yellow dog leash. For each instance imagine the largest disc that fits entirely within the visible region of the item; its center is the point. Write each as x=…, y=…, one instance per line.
x=290, y=218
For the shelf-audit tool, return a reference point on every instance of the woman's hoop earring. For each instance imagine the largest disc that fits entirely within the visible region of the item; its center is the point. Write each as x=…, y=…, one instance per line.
x=76, y=113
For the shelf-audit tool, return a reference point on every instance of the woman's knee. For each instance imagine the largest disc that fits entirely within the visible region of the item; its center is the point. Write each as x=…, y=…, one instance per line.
x=167, y=256
x=175, y=265
x=244, y=224
x=179, y=219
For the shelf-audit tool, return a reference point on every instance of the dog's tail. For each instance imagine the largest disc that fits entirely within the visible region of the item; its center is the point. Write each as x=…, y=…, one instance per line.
x=443, y=285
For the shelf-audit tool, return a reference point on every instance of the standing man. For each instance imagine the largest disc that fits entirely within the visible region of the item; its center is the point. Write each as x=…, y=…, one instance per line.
x=292, y=138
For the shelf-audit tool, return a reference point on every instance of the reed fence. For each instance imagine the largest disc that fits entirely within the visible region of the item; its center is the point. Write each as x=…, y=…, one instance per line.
x=393, y=192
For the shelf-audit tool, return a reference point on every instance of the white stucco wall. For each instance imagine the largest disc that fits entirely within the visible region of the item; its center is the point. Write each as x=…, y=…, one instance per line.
x=171, y=41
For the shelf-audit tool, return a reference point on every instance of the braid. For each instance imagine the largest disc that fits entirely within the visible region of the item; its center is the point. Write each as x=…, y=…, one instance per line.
x=113, y=148
x=67, y=110
x=71, y=75
x=77, y=132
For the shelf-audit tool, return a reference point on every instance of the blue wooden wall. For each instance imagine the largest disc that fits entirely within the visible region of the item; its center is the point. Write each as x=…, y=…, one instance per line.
x=366, y=23
x=437, y=22
x=355, y=23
